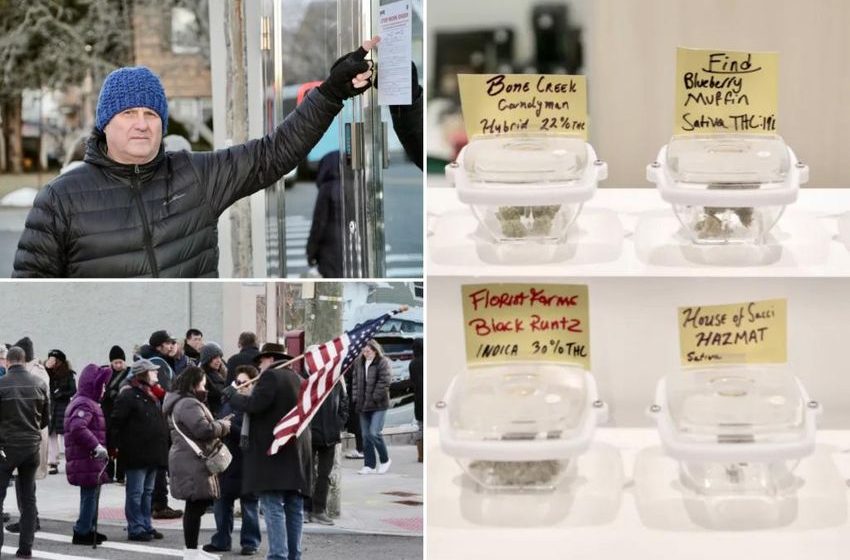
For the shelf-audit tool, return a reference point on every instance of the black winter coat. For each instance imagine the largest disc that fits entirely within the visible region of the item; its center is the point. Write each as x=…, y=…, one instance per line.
x=62, y=389
x=138, y=430
x=275, y=394
x=331, y=418
x=407, y=124
x=107, y=403
x=324, y=246
x=231, y=479
x=216, y=383
x=105, y=219
x=371, y=390
x=245, y=357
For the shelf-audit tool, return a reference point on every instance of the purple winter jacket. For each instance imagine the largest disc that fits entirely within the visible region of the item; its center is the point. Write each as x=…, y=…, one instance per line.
x=85, y=427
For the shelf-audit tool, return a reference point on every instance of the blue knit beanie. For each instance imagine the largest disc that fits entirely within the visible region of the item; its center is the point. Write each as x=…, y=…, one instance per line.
x=128, y=87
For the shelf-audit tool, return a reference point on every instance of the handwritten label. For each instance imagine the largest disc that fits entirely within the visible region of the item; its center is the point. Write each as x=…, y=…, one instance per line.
x=725, y=92
x=526, y=322
x=739, y=333
x=523, y=103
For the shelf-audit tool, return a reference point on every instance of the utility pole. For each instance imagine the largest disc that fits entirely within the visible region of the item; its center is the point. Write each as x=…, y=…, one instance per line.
x=237, y=131
x=323, y=323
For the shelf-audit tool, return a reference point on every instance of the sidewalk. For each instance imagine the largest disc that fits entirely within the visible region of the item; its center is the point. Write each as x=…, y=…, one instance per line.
x=389, y=504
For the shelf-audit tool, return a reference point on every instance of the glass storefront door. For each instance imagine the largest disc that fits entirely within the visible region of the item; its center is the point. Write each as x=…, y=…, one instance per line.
x=378, y=204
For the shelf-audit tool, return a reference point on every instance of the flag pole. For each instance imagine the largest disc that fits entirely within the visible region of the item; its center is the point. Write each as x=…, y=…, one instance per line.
x=250, y=382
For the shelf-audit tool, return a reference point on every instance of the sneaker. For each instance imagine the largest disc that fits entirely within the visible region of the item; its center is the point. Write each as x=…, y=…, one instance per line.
x=384, y=467
x=353, y=454
x=167, y=513
x=322, y=519
x=366, y=470
x=16, y=526
x=21, y=553
x=155, y=534
x=213, y=548
x=54, y=469
x=248, y=551
x=141, y=537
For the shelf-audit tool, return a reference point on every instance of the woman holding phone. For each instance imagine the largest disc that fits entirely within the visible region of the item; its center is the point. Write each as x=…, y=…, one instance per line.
x=190, y=420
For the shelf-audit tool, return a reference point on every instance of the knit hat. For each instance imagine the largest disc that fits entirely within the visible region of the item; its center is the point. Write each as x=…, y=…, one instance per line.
x=160, y=337
x=128, y=87
x=141, y=366
x=117, y=353
x=209, y=351
x=25, y=344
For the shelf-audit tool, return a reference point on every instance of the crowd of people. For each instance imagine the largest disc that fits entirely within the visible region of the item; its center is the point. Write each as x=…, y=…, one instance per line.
x=162, y=419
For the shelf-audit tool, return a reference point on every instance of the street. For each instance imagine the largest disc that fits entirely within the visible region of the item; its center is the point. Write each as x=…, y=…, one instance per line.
x=380, y=518
x=53, y=542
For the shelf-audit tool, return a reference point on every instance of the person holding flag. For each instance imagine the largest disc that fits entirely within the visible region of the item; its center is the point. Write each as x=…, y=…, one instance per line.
x=272, y=454
x=283, y=479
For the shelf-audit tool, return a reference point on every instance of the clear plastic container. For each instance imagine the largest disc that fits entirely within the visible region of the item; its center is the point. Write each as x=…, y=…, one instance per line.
x=519, y=426
x=526, y=188
x=727, y=188
x=735, y=429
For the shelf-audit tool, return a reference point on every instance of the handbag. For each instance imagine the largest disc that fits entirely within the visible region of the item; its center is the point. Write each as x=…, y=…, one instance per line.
x=216, y=461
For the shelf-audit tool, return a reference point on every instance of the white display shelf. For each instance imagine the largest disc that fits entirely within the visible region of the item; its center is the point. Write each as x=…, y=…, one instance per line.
x=633, y=232
x=625, y=501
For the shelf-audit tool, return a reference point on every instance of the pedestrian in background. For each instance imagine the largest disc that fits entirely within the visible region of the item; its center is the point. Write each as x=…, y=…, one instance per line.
x=141, y=436
x=231, y=482
x=118, y=379
x=24, y=413
x=85, y=448
x=192, y=345
x=190, y=421
x=216, y=372
x=34, y=367
x=325, y=429
x=371, y=393
x=248, y=350
x=62, y=389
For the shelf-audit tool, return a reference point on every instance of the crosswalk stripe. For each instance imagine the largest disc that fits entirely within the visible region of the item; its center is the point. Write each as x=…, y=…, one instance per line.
x=297, y=234
x=140, y=548
x=47, y=555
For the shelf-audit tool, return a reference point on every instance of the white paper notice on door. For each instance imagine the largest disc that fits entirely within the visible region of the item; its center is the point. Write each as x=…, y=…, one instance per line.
x=394, y=54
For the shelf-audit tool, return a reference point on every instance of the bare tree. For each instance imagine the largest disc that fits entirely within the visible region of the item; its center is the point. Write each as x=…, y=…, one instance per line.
x=53, y=44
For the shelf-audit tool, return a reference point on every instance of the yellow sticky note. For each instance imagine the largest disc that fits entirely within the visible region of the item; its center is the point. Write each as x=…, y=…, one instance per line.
x=738, y=333
x=721, y=91
x=523, y=103
x=526, y=322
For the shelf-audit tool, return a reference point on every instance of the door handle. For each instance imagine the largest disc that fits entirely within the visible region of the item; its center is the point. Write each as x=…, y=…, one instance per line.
x=354, y=145
x=385, y=144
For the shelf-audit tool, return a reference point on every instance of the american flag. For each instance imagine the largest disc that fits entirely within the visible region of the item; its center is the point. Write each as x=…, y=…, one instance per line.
x=325, y=365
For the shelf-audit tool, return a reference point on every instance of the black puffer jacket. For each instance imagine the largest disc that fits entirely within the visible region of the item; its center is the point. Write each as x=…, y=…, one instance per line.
x=104, y=219
x=371, y=389
x=138, y=430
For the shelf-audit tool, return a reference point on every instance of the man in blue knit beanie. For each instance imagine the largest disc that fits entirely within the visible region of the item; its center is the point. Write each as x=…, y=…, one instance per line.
x=132, y=112
x=134, y=210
